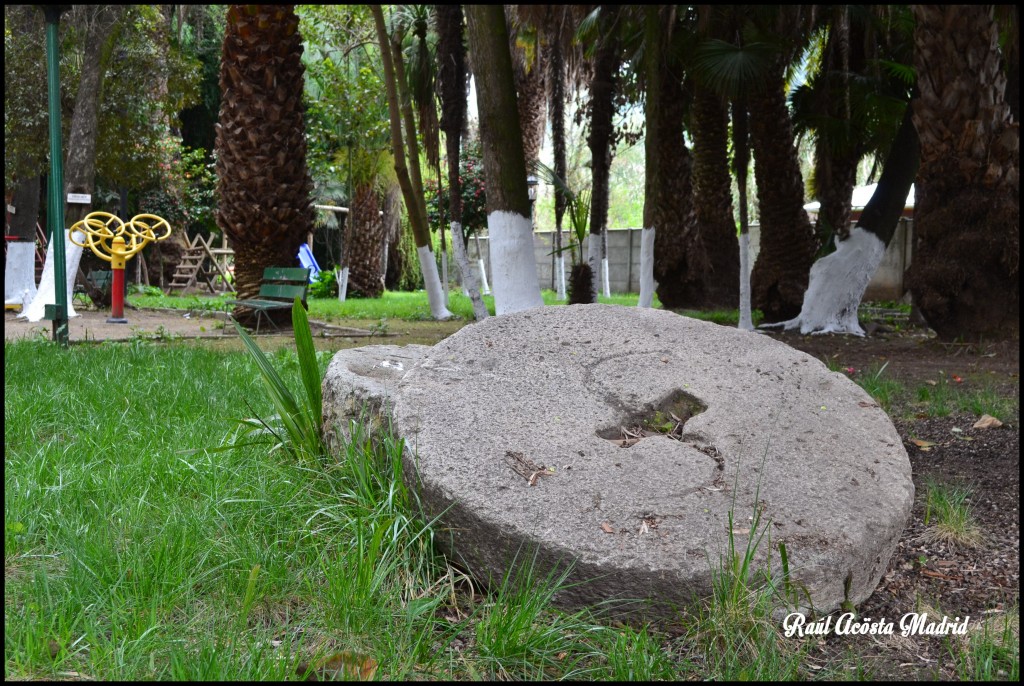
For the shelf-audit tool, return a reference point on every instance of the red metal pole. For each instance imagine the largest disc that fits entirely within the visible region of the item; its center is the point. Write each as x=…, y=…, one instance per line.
x=117, y=298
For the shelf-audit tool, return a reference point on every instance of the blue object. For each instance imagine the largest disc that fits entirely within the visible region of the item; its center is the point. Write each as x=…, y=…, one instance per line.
x=308, y=261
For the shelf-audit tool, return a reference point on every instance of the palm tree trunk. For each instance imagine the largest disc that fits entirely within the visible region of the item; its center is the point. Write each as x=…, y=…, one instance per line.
x=451, y=76
x=263, y=185
x=600, y=139
x=557, y=80
x=413, y=194
x=741, y=163
x=514, y=269
x=838, y=280
x=965, y=276
x=365, y=248
x=671, y=196
x=715, y=239
x=780, y=276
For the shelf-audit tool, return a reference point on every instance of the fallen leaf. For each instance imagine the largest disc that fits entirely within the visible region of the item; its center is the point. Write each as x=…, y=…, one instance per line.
x=864, y=403
x=562, y=655
x=607, y=528
x=987, y=421
x=665, y=360
x=741, y=531
x=923, y=445
x=931, y=383
x=346, y=664
x=957, y=430
x=940, y=575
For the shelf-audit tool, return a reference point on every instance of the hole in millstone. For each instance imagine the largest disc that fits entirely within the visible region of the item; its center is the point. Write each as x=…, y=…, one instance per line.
x=666, y=418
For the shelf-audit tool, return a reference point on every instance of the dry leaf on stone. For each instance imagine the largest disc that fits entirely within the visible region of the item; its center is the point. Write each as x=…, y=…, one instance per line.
x=864, y=403
x=607, y=528
x=987, y=421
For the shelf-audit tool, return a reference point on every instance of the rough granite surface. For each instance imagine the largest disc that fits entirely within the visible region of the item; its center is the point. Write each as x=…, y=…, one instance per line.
x=512, y=427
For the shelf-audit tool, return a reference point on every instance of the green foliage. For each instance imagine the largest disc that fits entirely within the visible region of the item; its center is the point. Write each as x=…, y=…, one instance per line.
x=345, y=96
x=296, y=426
x=184, y=192
x=473, y=193
x=325, y=286
x=148, y=82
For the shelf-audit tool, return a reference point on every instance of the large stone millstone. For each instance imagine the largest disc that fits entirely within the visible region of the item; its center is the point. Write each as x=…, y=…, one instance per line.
x=484, y=410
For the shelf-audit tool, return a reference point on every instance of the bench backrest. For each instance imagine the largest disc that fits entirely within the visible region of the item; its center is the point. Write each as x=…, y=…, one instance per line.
x=285, y=284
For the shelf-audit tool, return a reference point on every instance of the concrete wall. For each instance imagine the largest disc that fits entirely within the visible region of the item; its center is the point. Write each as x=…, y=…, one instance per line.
x=624, y=260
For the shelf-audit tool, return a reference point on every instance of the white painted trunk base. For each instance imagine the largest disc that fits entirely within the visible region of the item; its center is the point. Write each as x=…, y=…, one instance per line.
x=512, y=263
x=470, y=285
x=47, y=293
x=746, y=323
x=604, y=278
x=594, y=244
x=432, y=283
x=560, y=276
x=486, y=287
x=444, y=274
x=647, y=285
x=343, y=285
x=20, y=273
x=837, y=284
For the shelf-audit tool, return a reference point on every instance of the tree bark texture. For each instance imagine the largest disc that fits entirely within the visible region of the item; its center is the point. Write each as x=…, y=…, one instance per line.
x=714, y=240
x=263, y=183
x=366, y=266
x=670, y=197
x=500, y=133
x=601, y=136
x=965, y=276
x=780, y=276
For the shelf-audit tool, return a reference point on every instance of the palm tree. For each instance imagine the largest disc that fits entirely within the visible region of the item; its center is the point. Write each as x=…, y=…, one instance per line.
x=965, y=276
x=779, y=278
x=408, y=173
x=264, y=187
x=508, y=204
x=452, y=79
x=669, y=218
x=606, y=61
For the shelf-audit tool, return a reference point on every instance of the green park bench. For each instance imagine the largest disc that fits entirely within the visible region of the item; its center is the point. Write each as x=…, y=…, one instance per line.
x=278, y=290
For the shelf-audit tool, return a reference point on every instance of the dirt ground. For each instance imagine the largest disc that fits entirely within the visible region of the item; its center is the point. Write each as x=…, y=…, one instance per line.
x=982, y=582
x=209, y=328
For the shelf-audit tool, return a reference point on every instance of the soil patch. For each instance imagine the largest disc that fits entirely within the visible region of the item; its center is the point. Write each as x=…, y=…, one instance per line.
x=982, y=582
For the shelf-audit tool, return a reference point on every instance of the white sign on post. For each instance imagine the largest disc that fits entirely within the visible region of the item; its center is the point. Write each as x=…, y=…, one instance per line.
x=82, y=198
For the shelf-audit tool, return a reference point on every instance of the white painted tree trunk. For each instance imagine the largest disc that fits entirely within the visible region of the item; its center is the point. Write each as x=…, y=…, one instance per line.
x=432, y=283
x=20, y=273
x=485, y=288
x=746, y=322
x=444, y=274
x=342, y=285
x=512, y=263
x=837, y=284
x=605, y=283
x=594, y=260
x=646, y=267
x=47, y=293
x=469, y=281
x=560, y=276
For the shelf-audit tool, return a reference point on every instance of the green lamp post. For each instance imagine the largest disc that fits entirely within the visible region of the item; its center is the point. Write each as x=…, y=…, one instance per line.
x=55, y=201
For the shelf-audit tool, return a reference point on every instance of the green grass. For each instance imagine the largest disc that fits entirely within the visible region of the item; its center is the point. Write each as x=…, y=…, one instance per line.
x=411, y=306
x=883, y=388
x=991, y=651
x=948, y=395
x=948, y=515
x=136, y=549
